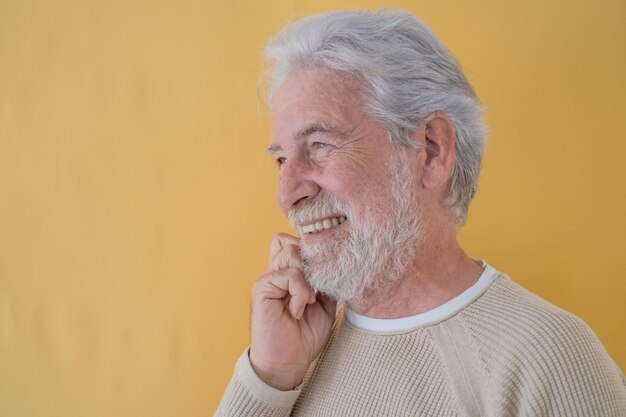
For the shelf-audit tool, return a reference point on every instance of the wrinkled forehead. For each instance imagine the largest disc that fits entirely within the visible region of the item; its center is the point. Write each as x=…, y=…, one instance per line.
x=317, y=96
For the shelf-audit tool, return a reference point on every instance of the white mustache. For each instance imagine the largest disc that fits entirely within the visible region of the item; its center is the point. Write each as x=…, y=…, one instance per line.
x=321, y=206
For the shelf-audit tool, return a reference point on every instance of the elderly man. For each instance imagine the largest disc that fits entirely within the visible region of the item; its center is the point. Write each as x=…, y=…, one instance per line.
x=378, y=141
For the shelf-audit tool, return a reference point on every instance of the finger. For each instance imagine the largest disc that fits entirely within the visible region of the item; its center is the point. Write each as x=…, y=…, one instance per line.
x=274, y=284
x=280, y=240
x=297, y=288
x=287, y=257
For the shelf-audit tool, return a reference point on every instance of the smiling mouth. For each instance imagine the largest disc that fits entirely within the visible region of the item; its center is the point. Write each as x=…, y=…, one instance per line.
x=321, y=225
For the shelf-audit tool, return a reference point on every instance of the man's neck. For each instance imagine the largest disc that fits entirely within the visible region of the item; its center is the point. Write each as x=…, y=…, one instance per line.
x=438, y=274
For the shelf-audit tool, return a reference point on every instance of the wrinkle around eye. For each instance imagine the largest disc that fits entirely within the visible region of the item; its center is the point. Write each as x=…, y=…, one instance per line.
x=352, y=151
x=356, y=158
x=319, y=151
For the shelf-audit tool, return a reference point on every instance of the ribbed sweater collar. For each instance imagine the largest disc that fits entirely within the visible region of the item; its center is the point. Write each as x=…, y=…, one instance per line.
x=437, y=314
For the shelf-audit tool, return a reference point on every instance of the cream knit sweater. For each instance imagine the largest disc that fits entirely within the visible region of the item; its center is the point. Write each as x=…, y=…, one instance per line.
x=506, y=353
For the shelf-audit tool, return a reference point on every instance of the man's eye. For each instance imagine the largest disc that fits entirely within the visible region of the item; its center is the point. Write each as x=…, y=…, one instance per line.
x=319, y=145
x=281, y=160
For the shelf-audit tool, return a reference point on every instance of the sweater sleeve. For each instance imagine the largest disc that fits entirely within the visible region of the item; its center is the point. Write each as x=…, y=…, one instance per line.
x=563, y=370
x=577, y=375
x=541, y=361
x=248, y=395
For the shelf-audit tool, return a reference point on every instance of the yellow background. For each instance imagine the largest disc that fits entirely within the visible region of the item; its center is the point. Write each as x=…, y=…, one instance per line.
x=136, y=201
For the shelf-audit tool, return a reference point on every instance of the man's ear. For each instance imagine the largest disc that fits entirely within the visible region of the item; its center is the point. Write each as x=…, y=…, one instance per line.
x=440, y=135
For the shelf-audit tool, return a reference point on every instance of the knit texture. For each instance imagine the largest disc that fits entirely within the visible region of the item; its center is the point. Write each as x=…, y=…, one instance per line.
x=508, y=353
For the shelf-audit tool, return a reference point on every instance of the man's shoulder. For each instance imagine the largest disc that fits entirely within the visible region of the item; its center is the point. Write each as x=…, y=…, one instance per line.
x=508, y=316
x=535, y=351
x=513, y=309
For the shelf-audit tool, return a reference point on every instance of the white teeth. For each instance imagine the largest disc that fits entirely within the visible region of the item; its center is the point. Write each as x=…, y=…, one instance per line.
x=323, y=225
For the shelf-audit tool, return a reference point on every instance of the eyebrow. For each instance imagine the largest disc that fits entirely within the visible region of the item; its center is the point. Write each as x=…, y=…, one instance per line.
x=317, y=127
x=273, y=149
x=314, y=128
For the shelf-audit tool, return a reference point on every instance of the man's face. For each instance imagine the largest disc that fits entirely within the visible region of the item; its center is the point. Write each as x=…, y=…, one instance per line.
x=346, y=189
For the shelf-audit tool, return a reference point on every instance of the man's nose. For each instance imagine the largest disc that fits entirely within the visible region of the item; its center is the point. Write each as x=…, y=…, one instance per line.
x=295, y=183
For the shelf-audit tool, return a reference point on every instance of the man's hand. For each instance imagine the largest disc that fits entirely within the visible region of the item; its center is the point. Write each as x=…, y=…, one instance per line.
x=290, y=323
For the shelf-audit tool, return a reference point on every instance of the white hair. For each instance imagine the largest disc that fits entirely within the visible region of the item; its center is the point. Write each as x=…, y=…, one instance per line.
x=407, y=74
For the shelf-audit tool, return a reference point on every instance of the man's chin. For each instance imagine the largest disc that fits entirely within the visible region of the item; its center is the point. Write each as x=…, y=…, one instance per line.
x=336, y=285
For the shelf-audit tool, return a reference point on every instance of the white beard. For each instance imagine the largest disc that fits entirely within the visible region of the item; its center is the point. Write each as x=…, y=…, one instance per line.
x=376, y=253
